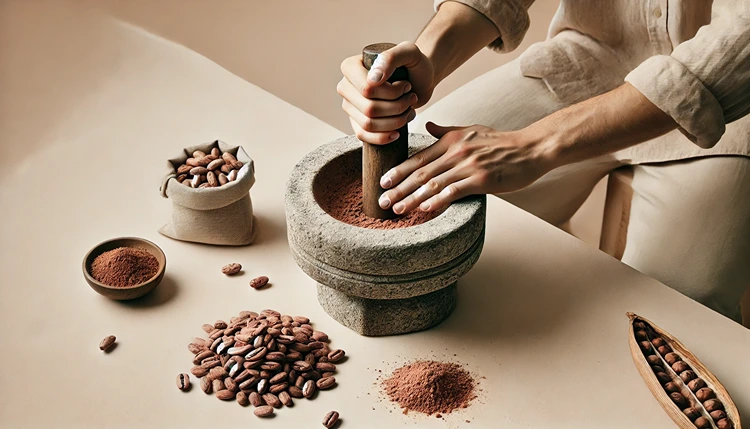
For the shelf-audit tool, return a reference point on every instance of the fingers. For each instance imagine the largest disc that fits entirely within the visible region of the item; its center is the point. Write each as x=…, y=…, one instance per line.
x=404, y=54
x=452, y=192
x=387, y=124
x=373, y=138
x=355, y=75
x=373, y=108
x=439, y=131
x=420, y=159
x=420, y=184
x=433, y=187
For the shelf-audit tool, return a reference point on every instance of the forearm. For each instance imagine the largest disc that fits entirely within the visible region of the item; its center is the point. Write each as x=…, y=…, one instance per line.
x=454, y=35
x=604, y=124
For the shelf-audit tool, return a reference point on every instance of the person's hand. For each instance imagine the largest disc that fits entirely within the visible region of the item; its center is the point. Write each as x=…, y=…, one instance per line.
x=377, y=108
x=465, y=161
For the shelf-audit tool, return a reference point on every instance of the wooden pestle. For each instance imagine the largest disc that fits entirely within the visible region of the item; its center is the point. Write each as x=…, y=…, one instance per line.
x=378, y=159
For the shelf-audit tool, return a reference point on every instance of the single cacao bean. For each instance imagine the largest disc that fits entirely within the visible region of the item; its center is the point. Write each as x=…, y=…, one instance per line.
x=276, y=388
x=275, y=356
x=216, y=373
x=330, y=419
x=255, y=399
x=230, y=384
x=278, y=378
x=183, y=381
x=107, y=342
x=236, y=351
x=271, y=366
x=325, y=383
x=258, y=282
x=223, y=179
x=228, y=157
x=319, y=336
x=197, y=171
x=242, y=399
x=263, y=411
x=308, y=389
x=301, y=366
x=217, y=385
x=295, y=392
x=206, y=385
x=256, y=354
x=212, y=180
x=200, y=357
x=216, y=163
x=199, y=371
x=226, y=395
x=336, y=355
x=325, y=366
x=262, y=386
x=272, y=400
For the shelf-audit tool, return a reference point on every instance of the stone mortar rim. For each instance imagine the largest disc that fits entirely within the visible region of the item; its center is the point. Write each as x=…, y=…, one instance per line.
x=458, y=213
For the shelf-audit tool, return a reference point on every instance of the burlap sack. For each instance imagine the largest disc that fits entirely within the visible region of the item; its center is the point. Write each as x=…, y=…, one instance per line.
x=221, y=215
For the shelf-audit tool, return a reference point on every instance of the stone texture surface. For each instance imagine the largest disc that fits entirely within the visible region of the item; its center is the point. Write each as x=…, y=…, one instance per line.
x=388, y=286
x=374, y=281
x=377, y=317
x=368, y=251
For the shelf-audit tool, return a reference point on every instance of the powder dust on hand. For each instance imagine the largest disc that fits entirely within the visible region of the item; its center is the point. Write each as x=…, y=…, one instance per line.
x=430, y=387
x=124, y=267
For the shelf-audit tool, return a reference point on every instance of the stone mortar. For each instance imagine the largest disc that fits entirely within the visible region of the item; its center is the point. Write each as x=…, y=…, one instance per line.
x=379, y=282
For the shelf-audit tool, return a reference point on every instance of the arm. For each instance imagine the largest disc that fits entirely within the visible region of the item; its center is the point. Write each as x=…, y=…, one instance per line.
x=480, y=160
x=705, y=82
x=377, y=108
x=454, y=35
x=701, y=86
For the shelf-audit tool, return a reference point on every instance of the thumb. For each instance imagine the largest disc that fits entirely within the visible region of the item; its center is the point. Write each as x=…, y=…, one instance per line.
x=438, y=130
x=405, y=54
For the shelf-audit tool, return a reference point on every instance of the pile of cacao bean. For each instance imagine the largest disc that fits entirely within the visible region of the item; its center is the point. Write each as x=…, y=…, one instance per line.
x=265, y=359
x=210, y=170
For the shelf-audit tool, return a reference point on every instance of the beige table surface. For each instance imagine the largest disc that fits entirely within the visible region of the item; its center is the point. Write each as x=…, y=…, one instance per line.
x=90, y=108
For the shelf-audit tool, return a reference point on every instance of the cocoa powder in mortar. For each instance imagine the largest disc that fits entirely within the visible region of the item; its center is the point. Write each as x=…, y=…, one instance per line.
x=124, y=266
x=430, y=387
x=345, y=204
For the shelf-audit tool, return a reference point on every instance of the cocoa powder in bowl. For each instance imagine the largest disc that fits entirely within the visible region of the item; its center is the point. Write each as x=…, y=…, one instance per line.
x=338, y=191
x=124, y=267
x=430, y=387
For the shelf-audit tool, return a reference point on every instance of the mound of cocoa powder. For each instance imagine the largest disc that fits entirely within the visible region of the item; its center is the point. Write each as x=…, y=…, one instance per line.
x=124, y=266
x=345, y=204
x=430, y=387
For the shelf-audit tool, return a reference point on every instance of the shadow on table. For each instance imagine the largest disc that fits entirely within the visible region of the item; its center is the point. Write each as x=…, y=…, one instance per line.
x=165, y=292
x=511, y=300
x=269, y=229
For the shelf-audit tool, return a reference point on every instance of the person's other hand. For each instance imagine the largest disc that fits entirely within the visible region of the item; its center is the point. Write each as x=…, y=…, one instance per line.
x=377, y=108
x=465, y=161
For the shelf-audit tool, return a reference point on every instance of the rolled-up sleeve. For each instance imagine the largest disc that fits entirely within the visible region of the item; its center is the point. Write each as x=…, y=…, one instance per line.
x=511, y=17
x=705, y=83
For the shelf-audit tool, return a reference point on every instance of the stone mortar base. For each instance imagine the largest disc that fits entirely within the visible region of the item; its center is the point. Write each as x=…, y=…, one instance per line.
x=379, y=317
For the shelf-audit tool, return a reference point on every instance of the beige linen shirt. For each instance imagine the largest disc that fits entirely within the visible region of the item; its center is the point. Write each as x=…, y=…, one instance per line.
x=691, y=58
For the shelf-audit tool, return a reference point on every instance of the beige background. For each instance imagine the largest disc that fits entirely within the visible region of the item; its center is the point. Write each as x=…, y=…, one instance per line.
x=90, y=109
x=293, y=49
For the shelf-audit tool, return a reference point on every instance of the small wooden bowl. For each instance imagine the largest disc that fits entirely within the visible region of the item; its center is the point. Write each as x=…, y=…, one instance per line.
x=130, y=292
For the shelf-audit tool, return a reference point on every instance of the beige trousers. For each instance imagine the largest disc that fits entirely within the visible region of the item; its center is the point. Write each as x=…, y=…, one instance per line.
x=689, y=221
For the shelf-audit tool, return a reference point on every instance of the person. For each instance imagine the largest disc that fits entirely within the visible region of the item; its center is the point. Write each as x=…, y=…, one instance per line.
x=659, y=85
